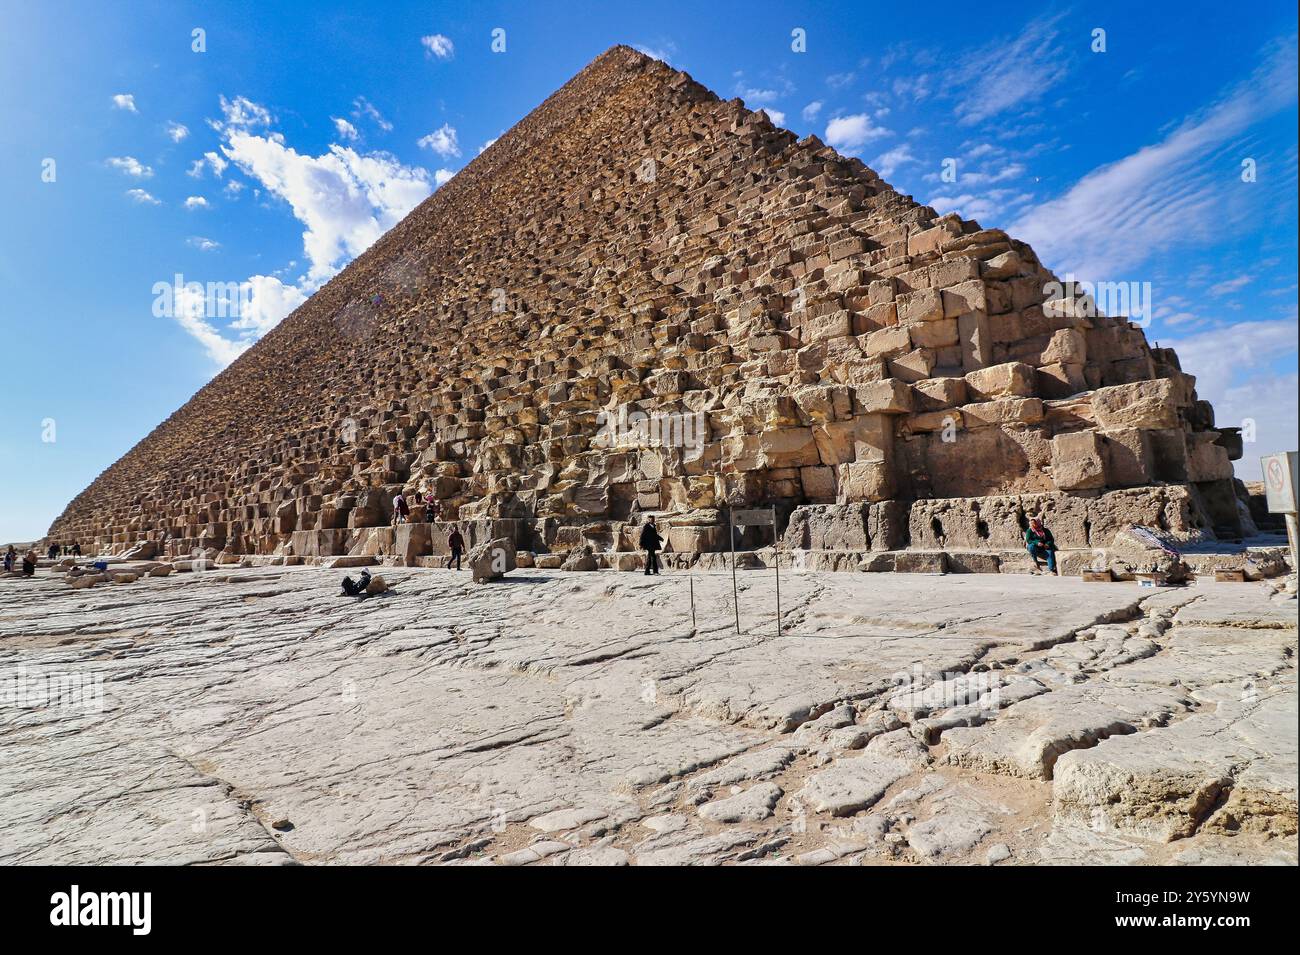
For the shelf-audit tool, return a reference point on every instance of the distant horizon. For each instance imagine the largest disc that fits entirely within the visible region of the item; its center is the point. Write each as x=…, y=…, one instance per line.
x=266, y=161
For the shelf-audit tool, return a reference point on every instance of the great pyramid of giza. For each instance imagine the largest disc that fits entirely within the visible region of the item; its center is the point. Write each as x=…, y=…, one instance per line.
x=787, y=329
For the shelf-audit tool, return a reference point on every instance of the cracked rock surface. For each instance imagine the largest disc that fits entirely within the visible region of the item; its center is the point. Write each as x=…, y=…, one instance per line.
x=252, y=716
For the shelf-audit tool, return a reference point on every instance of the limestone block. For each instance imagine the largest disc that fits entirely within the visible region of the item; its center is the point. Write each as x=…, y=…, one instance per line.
x=975, y=340
x=1078, y=461
x=864, y=481
x=1129, y=459
x=923, y=305
x=1002, y=411
x=914, y=366
x=938, y=334
x=965, y=297
x=890, y=396
x=936, y=394
x=1011, y=379
x=1141, y=404
x=1206, y=459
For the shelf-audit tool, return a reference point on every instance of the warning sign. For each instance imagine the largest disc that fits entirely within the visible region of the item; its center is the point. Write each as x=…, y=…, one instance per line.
x=1280, y=482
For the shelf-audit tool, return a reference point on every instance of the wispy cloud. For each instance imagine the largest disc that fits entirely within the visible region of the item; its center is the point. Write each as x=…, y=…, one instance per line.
x=124, y=101
x=363, y=108
x=196, y=202
x=177, y=131
x=1161, y=196
x=887, y=163
x=143, y=197
x=1011, y=74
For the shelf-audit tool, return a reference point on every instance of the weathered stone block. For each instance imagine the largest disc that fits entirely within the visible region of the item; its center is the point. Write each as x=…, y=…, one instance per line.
x=1141, y=404
x=1078, y=461
x=1011, y=379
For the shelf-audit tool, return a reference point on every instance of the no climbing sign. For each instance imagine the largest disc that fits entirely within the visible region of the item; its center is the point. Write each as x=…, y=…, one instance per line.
x=1280, y=482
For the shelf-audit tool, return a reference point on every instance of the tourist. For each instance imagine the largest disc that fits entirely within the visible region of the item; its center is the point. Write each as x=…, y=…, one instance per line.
x=650, y=543
x=430, y=510
x=457, y=545
x=53, y=552
x=401, y=512
x=356, y=588
x=76, y=549
x=1039, y=543
x=10, y=556
x=29, y=563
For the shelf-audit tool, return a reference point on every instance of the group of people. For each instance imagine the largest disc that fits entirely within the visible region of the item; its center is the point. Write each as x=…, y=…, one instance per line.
x=402, y=508
x=28, y=561
x=67, y=550
x=1038, y=539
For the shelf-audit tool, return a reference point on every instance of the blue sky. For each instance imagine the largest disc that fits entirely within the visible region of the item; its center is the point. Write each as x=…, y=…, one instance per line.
x=303, y=131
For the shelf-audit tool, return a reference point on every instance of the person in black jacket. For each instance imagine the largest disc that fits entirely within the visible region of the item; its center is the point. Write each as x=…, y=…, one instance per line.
x=651, y=542
x=457, y=544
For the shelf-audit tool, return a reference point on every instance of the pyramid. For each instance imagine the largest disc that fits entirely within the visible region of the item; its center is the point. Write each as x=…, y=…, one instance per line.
x=644, y=299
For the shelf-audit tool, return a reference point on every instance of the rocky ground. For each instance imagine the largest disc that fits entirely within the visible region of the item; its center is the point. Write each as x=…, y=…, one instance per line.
x=254, y=716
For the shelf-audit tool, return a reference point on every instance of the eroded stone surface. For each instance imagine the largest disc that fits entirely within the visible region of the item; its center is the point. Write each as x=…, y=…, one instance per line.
x=252, y=715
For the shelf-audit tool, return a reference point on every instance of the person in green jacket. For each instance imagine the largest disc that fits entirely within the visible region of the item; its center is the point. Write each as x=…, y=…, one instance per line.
x=1039, y=543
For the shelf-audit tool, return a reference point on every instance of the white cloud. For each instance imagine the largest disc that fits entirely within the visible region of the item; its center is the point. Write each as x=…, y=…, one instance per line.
x=124, y=101
x=189, y=309
x=1162, y=196
x=775, y=115
x=809, y=112
x=486, y=145
x=441, y=176
x=234, y=187
x=142, y=197
x=265, y=301
x=851, y=133
x=345, y=200
x=345, y=129
x=241, y=113
x=210, y=160
x=838, y=81
x=887, y=163
x=1234, y=369
x=217, y=163
x=438, y=45
x=1009, y=75
x=196, y=202
x=442, y=141
x=202, y=244
x=131, y=166
x=177, y=131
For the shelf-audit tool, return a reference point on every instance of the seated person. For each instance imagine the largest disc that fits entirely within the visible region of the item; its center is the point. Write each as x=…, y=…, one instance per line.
x=1039, y=543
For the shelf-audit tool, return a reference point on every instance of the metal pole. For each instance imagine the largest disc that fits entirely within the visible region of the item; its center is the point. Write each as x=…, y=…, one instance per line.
x=735, y=596
x=776, y=559
x=1292, y=532
x=694, y=626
